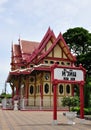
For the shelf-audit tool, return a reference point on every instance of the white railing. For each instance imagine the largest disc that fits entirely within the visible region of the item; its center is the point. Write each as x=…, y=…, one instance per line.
x=7, y=103
x=31, y=104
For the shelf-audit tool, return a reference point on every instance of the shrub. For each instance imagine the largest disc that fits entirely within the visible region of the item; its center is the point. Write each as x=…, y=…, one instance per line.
x=70, y=101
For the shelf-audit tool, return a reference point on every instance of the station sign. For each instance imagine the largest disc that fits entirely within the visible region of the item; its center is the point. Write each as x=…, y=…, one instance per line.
x=68, y=74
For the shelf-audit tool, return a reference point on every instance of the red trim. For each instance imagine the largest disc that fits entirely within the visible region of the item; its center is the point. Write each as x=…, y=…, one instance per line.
x=82, y=100
x=65, y=81
x=54, y=44
x=54, y=102
x=70, y=67
x=74, y=58
x=46, y=35
x=81, y=86
x=42, y=45
x=72, y=90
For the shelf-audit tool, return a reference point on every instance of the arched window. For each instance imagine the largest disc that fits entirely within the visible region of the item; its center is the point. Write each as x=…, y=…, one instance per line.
x=31, y=89
x=60, y=88
x=68, y=88
x=46, y=88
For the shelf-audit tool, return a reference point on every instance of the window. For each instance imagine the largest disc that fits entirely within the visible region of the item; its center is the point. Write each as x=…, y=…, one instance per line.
x=51, y=62
x=46, y=88
x=31, y=66
x=60, y=88
x=62, y=63
x=68, y=63
x=46, y=76
x=57, y=62
x=46, y=62
x=31, y=89
x=22, y=67
x=68, y=88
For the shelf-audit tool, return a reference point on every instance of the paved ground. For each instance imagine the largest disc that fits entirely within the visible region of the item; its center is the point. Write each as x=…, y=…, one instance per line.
x=38, y=120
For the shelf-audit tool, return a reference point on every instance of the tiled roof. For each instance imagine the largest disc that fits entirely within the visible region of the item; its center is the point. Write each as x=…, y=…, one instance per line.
x=29, y=51
x=27, y=47
x=16, y=53
x=16, y=50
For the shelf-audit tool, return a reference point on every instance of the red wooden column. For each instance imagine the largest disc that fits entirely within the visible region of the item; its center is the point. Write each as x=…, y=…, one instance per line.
x=82, y=100
x=55, y=102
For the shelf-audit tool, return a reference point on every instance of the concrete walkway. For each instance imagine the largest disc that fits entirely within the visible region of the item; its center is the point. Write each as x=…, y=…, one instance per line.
x=38, y=120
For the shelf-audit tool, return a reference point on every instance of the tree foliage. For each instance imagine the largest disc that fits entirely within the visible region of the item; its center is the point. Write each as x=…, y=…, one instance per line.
x=79, y=42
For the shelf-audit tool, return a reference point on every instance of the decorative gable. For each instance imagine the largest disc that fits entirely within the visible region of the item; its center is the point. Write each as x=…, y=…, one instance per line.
x=57, y=51
x=49, y=44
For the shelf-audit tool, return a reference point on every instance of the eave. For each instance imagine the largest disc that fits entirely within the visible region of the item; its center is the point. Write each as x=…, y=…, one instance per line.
x=28, y=71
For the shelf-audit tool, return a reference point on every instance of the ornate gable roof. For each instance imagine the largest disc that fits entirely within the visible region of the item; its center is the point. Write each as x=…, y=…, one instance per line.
x=37, y=52
x=59, y=40
x=28, y=51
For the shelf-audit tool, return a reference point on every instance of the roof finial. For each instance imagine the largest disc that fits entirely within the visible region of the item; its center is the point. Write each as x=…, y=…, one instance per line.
x=19, y=39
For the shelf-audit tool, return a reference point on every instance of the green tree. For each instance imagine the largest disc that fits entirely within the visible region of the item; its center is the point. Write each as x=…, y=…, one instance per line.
x=79, y=42
x=4, y=95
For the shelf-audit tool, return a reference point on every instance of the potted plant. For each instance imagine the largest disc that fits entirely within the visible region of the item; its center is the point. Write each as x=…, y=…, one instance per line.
x=71, y=102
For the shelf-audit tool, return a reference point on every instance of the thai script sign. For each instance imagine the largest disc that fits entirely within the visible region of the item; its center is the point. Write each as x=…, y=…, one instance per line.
x=68, y=74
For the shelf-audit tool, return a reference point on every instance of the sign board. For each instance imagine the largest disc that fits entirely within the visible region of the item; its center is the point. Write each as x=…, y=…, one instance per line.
x=68, y=74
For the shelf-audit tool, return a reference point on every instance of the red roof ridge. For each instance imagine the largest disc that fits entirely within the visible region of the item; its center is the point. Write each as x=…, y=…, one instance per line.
x=42, y=44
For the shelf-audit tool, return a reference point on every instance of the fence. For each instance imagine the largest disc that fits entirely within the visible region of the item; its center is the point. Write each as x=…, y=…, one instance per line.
x=31, y=104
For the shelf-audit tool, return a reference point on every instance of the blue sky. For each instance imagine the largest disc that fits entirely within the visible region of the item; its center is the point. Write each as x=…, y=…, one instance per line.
x=30, y=19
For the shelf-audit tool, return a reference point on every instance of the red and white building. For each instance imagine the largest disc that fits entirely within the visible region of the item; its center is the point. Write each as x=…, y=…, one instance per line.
x=31, y=74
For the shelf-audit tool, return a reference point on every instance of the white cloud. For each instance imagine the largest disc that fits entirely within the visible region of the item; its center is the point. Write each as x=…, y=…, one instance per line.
x=3, y=2
x=54, y=12
x=10, y=21
x=2, y=8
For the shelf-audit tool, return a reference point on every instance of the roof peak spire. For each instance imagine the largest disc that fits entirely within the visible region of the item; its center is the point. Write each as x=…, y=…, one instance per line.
x=19, y=39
